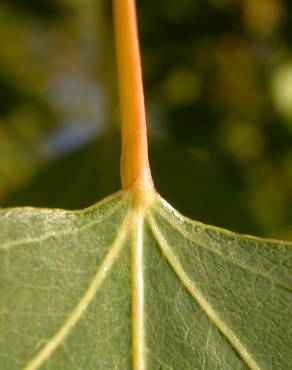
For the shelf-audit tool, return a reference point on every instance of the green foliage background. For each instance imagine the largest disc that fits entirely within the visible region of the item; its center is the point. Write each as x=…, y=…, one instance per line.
x=218, y=80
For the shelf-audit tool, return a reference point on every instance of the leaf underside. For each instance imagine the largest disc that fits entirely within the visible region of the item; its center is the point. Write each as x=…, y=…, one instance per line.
x=207, y=298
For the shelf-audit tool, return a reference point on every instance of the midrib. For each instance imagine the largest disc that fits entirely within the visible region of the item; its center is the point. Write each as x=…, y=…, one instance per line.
x=137, y=288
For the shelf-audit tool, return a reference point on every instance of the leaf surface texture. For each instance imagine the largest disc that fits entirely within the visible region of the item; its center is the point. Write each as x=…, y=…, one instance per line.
x=116, y=288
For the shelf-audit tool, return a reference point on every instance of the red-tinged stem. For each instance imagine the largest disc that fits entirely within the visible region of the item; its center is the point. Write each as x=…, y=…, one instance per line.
x=134, y=159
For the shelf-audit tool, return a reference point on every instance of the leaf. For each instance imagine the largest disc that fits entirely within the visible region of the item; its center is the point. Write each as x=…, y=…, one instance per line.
x=131, y=284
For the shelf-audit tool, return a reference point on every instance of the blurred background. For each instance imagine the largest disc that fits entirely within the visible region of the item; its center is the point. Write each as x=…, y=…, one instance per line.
x=218, y=81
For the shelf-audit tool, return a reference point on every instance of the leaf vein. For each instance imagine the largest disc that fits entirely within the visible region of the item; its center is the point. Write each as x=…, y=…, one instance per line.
x=7, y=246
x=198, y=297
x=225, y=258
x=84, y=302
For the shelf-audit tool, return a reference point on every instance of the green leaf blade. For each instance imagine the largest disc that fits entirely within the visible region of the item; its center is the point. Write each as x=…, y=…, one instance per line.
x=120, y=286
x=44, y=279
x=179, y=333
x=242, y=283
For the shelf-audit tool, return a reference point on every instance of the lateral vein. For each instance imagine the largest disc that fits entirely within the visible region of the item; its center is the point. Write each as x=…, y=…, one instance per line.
x=204, y=304
x=73, y=230
x=83, y=304
x=225, y=258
